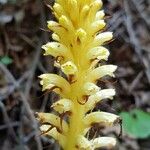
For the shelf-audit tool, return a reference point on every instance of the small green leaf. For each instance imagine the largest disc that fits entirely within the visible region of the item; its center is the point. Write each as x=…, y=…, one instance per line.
x=6, y=60
x=136, y=123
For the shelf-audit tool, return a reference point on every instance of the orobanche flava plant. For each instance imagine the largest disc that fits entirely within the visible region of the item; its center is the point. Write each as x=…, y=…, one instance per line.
x=78, y=49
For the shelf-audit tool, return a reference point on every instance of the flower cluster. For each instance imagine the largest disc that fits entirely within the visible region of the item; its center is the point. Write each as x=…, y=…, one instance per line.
x=78, y=50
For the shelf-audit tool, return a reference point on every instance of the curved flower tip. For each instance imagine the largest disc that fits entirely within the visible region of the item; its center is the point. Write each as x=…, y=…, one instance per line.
x=55, y=82
x=102, y=38
x=101, y=72
x=99, y=53
x=97, y=26
x=52, y=132
x=103, y=142
x=100, y=15
x=53, y=120
x=58, y=10
x=56, y=49
x=102, y=118
x=97, y=97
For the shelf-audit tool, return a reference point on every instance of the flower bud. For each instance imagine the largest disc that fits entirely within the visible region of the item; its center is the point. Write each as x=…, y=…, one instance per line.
x=90, y=88
x=69, y=68
x=101, y=38
x=100, y=15
x=63, y=105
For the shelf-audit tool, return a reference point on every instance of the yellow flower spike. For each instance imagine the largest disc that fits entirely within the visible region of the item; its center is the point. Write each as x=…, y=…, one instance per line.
x=53, y=120
x=78, y=48
x=53, y=25
x=103, y=142
x=63, y=106
x=55, y=82
x=97, y=97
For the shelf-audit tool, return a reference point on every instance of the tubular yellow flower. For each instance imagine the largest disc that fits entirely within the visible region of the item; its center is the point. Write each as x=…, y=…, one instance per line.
x=77, y=48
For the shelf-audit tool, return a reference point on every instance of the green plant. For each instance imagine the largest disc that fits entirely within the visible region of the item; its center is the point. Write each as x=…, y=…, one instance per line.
x=136, y=123
x=78, y=48
x=6, y=60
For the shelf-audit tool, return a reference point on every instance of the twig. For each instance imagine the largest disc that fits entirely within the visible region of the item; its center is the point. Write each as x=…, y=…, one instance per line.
x=12, y=124
x=141, y=13
x=133, y=38
x=135, y=82
x=26, y=105
x=44, y=103
x=7, y=121
x=13, y=87
x=128, y=22
x=33, y=68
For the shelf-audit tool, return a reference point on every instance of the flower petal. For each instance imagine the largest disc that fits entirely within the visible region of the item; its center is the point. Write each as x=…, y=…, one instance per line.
x=100, y=15
x=100, y=53
x=58, y=9
x=81, y=35
x=55, y=37
x=53, y=120
x=57, y=28
x=63, y=105
x=52, y=80
x=66, y=23
x=102, y=118
x=55, y=134
x=101, y=38
x=69, y=68
x=97, y=97
x=103, y=142
x=83, y=143
x=97, y=26
x=95, y=6
x=90, y=88
x=101, y=71
x=56, y=49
